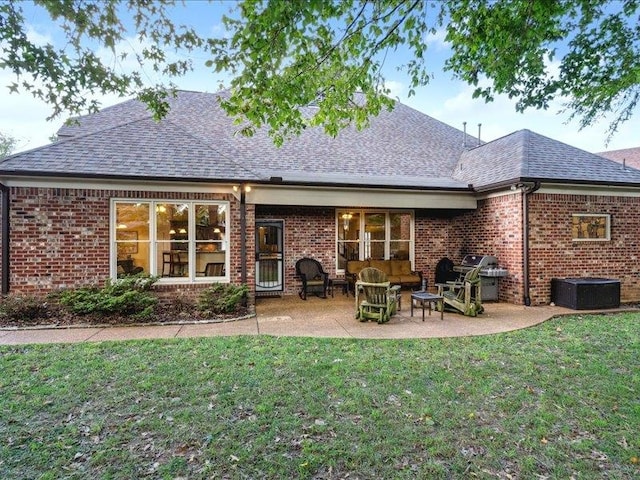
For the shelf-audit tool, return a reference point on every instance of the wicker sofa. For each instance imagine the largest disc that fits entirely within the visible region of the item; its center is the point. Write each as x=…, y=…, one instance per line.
x=398, y=271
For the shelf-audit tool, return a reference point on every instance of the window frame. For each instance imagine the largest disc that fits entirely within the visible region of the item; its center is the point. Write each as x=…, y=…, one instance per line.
x=580, y=220
x=192, y=276
x=361, y=213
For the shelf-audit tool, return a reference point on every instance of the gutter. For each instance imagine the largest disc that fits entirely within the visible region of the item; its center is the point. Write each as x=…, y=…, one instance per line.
x=227, y=181
x=4, y=233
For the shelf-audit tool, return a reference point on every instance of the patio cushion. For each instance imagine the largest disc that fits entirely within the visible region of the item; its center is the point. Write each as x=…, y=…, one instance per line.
x=400, y=267
x=355, y=266
x=384, y=265
x=408, y=279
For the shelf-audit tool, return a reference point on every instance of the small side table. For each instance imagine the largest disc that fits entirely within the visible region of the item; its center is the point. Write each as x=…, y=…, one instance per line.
x=428, y=298
x=339, y=282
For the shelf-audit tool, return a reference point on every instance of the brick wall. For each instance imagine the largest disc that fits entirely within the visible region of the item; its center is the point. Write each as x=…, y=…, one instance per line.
x=495, y=228
x=60, y=237
x=553, y=253
x=308, y=232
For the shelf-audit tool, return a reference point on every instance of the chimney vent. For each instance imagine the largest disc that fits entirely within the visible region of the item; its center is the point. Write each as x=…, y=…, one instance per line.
x=479, y=127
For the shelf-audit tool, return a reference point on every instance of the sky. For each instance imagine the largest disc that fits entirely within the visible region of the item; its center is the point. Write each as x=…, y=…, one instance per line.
x=444, y=98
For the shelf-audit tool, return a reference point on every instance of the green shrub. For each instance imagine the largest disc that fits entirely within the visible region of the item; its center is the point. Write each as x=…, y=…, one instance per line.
x=222, y=298
x=23, y=308
x=125, y=296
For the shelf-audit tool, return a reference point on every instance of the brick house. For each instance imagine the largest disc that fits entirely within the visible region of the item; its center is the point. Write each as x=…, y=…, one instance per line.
x=193, y=202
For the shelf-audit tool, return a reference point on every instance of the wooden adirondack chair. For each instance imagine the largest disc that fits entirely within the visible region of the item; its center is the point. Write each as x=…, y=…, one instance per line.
x=465, y=296
x=380, y=299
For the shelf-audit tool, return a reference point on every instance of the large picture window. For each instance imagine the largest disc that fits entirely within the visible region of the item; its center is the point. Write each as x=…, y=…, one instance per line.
x=378, y=235
x=175, y=240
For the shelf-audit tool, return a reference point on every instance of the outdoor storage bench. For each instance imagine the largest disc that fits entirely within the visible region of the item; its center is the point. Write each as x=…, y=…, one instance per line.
x=398, y=271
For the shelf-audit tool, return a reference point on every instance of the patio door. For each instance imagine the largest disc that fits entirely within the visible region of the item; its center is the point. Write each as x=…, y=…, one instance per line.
x=269, y=256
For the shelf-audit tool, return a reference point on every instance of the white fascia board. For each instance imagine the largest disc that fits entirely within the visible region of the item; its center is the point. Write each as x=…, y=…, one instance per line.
x=106, y=184
x=358, y=197
x=571, y=189
x=599, y=190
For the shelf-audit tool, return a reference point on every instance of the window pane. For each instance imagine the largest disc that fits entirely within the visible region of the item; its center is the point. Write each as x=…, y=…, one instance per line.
x=400, y=235
x=400, y=226
x=348, y=237
x=374, y=235
x=132, y=238
x=172, y=230
x=211, y=224
x=399, y=250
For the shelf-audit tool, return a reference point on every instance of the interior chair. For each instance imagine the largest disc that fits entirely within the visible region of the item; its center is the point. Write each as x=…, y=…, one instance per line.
x=464, y=296
x=174, y=263
x=213, y=269
x=313, y=277
x=128, y=267
x=380, y=299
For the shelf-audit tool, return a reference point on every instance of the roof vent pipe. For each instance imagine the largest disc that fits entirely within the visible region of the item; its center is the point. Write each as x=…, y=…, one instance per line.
x=464, y=134
x=624, y=164
x=479, y=126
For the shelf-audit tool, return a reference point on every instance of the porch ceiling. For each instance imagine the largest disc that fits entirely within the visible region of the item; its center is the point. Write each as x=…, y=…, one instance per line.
x=359, y=197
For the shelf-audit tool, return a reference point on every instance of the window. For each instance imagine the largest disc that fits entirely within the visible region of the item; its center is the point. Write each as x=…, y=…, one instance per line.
x=591, y=227
x=379, y=235
x=178, y=240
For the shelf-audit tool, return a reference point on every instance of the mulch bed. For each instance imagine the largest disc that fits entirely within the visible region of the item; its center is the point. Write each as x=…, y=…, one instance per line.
x=58, y=317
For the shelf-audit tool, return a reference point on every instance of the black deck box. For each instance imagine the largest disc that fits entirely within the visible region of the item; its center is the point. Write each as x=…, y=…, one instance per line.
x=585, y=293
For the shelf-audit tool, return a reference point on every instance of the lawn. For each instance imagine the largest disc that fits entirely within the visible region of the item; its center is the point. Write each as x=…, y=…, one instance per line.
x=560, y=400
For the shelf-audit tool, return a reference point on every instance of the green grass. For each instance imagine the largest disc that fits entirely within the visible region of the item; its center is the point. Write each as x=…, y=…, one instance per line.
x=559, y=400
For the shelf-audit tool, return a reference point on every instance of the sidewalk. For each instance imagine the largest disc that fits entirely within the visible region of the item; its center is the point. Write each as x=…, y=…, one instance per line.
x=316, y=317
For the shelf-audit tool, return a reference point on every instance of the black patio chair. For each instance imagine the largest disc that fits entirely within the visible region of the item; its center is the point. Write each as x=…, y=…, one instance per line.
x=313, y=277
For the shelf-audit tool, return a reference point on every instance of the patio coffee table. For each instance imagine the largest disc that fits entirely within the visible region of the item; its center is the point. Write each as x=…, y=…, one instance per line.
x=428, y=298
x=339, y=282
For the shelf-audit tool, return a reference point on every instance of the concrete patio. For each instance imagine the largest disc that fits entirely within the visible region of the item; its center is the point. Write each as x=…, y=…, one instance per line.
x=315, y=317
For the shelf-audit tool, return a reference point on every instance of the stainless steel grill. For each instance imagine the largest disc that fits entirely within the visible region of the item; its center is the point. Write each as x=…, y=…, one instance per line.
x=489, y=273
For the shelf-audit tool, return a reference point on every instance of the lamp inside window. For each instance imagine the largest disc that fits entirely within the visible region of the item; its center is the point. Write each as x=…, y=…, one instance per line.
x=346, y=219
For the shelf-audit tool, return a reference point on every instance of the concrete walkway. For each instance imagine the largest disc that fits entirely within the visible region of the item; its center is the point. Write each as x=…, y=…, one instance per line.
x=316, y=317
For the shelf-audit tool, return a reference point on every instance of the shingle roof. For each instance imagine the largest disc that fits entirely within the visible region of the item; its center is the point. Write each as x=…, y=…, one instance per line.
x=197, y=140
x=628, y=156
x=402, y=148
x=141, y=148
x=528, y=155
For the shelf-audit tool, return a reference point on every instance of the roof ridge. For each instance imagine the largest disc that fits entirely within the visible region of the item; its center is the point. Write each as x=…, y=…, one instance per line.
x=210, y=147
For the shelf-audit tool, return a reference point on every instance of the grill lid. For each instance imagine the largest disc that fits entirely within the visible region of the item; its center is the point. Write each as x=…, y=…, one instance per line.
x=479, y=261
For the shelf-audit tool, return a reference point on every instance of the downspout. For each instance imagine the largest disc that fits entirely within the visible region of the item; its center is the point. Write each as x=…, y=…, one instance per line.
x=243, y=235
x=4, y=232
x=527, y=189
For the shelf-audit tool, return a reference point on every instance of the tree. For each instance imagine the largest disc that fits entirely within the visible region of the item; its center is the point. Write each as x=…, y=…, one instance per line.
x=7, y=145
x=283, y=54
